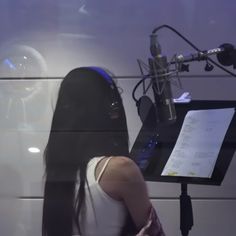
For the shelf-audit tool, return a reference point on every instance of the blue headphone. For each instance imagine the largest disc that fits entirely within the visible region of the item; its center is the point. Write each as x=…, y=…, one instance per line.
x=115, y=104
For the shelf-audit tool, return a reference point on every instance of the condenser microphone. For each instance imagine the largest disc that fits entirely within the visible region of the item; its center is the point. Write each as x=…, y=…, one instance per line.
x=226, y=55
x=164, y=103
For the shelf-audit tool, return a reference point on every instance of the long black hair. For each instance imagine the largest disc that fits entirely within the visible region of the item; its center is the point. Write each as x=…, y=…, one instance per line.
x=82, y=128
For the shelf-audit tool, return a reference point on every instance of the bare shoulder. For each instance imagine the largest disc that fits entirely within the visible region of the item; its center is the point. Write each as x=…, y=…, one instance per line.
x=130, y=187
x=124, y=168
x=122, y=161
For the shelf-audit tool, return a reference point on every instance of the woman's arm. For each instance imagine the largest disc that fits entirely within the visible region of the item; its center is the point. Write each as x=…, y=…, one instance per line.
x=127, y=184
x=153, y=226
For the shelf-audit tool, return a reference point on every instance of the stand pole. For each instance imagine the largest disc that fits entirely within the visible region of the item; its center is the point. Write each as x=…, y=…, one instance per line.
x=186, y=211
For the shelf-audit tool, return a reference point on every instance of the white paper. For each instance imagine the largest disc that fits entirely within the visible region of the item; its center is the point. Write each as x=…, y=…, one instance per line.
x=199, y=142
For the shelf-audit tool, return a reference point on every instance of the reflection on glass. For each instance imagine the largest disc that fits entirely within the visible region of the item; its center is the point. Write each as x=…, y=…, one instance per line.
x=21, y=95
x=34, y=150
x=21, y=61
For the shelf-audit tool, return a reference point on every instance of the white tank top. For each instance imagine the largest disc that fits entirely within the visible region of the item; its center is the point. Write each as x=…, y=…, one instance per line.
x=103, y=215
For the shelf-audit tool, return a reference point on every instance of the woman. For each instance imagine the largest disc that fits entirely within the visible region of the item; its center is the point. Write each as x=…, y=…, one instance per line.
x=92, y=187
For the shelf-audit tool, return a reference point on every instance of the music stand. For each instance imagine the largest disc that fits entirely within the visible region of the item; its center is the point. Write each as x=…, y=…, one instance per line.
x=155, y=142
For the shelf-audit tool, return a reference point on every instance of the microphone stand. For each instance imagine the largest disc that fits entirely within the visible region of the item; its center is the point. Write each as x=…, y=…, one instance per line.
x=186, y=211
x=165, y=113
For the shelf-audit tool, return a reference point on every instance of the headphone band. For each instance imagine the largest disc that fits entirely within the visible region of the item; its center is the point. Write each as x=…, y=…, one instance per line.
x=115, y=105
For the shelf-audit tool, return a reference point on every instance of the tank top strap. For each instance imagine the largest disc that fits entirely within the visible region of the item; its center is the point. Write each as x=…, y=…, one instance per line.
x=103, y=169
x=91, y=169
